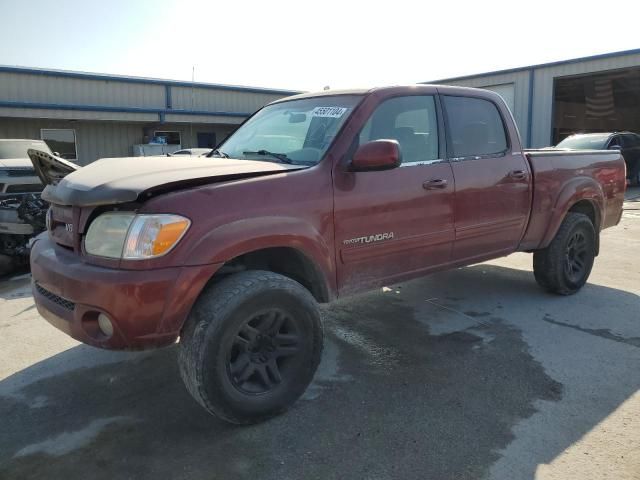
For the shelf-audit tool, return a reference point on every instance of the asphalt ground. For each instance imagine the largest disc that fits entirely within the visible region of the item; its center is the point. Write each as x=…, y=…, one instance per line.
x=473, y=373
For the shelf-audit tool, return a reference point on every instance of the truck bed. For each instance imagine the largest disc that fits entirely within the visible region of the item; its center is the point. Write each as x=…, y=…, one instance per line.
x=560, y=177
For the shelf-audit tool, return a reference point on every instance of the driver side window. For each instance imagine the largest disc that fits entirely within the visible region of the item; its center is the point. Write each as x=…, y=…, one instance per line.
x=411, y=121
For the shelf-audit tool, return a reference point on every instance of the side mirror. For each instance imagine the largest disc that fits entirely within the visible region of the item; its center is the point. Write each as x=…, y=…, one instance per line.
x=615, y=147
x=377, y=155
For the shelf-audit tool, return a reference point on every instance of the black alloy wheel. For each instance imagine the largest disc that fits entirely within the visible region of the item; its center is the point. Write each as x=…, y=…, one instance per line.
x=576, y=253
x=261, y=352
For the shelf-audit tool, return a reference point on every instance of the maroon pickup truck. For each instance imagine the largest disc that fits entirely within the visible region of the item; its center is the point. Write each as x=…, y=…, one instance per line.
x=314, y=197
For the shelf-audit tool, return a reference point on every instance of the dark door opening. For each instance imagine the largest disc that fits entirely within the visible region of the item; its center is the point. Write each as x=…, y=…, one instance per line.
x=602, y=102
x=206, y=140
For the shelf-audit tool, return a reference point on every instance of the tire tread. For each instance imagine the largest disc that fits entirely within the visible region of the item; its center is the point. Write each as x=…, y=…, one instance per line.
x=217, y=300
x=547, y=264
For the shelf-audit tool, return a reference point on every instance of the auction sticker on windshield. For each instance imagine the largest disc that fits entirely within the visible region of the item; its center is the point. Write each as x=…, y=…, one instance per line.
x=331, y=112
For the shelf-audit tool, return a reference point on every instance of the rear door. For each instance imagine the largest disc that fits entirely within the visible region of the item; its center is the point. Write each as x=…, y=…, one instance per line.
x=492, y=178
x=394, y=224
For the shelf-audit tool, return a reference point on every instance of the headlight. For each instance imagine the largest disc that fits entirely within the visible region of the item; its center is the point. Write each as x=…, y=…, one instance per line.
x=134, y=237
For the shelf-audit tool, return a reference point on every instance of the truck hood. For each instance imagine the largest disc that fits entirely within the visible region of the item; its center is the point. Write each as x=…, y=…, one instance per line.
x=48, y=167
x=120, y=180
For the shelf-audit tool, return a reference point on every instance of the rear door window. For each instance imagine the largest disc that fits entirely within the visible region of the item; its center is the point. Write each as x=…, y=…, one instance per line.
x=475, y=127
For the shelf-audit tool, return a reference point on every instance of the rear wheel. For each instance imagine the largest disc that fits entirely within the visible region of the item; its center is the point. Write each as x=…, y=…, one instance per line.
x=251, y=346
x=564, y=266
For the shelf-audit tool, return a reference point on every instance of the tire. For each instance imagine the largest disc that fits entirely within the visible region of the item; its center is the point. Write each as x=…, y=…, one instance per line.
x=250, y=346
x=564, y=266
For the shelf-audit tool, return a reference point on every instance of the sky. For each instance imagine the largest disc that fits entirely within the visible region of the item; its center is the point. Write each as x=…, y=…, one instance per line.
x=309, y=45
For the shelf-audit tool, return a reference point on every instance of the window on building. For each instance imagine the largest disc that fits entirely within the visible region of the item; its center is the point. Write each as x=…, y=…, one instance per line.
x=411, y=121
x=166, y=137
x=475, y=126
x=61, y=141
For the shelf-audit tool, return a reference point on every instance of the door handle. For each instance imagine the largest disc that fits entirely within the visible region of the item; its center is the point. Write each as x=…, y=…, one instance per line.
x=518, y=174
x=435, y=184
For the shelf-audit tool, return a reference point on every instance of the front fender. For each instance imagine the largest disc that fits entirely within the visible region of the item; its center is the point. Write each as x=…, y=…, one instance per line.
x=574, y=191
x=248, y=235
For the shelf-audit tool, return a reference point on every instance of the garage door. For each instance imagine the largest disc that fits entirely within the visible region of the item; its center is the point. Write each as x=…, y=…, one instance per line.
x=597, y=102
x=506, y=91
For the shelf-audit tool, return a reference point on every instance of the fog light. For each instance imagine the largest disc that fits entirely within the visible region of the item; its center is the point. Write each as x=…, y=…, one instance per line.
x=105, y=325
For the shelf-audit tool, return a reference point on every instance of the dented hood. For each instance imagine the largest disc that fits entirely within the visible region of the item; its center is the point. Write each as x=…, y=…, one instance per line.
x=121, y=180
x=48, y=167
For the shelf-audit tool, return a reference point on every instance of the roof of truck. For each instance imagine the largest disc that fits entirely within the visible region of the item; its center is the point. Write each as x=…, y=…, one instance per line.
x=365, y=91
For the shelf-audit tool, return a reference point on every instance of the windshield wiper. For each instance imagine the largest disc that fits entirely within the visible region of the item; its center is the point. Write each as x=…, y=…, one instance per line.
x=279, y=156
x=217, y=153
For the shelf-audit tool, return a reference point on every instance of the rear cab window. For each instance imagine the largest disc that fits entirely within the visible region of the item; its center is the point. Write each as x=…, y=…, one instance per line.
x=475, y=127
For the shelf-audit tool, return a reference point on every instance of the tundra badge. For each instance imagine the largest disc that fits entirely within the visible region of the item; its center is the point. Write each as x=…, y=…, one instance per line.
x=378, y=237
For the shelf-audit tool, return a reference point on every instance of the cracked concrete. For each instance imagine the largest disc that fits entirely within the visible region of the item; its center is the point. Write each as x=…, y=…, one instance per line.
x=469, y=374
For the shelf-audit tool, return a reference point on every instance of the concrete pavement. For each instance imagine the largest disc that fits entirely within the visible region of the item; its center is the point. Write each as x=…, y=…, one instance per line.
x=473, y=373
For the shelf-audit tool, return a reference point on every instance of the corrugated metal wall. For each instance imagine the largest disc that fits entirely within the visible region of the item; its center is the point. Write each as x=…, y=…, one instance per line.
x=520, y=81
x=96, y=140
x=21, y=87
x=47, y=88
x=543, y=82
x=111, y=114
x=187, y=98
x=543, y=89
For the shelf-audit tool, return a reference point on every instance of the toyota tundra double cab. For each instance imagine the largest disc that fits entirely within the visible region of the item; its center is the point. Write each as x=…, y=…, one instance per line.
x=314, y=197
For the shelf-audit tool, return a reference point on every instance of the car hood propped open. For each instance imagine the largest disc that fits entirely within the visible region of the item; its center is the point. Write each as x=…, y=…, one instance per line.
x=121, y=180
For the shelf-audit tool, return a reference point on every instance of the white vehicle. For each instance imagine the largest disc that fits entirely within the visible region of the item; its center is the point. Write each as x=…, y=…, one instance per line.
x=16, y=170
x=22, y=212
x=192, y=152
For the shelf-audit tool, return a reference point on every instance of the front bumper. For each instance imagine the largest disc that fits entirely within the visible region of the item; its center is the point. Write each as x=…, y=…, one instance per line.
x=147, y=308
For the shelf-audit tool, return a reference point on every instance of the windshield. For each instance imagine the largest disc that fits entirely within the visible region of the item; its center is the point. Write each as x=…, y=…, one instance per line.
x=297, y=131
x=585, y=142
x=18, y=148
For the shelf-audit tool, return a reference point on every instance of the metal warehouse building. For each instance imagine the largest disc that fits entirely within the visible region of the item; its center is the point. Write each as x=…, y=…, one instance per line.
x=89, y=116
x=550, y=101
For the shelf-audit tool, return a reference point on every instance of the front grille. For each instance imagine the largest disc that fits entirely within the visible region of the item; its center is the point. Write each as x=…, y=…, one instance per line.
x=18, y=172
x=25, y=188
x=63, y=302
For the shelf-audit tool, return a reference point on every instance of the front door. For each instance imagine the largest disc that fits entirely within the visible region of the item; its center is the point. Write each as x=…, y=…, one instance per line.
x=492, y=180
x=394, y=224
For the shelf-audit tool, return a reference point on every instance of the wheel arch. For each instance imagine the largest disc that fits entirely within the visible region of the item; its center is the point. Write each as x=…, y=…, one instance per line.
x=285, y=260
x=582, y=195
x=285, y=245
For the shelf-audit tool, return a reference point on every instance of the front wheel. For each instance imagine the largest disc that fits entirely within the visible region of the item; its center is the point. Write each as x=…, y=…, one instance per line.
x=251, y=346
x=564, y=266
